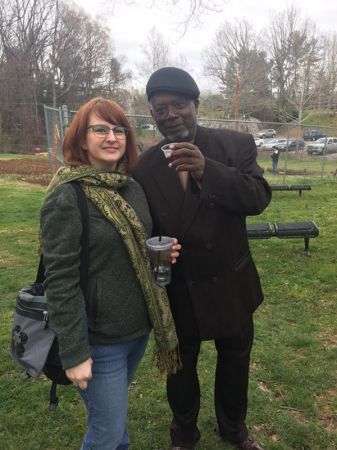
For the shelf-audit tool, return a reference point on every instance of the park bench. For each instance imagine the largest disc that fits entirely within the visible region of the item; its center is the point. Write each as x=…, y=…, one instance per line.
x=291, y=187
x=284, y=230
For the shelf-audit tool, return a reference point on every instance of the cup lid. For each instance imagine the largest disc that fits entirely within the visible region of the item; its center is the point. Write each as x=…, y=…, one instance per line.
x=159, y=242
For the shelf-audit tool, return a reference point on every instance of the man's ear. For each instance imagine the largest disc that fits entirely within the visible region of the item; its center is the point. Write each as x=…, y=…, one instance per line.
x=196, y=103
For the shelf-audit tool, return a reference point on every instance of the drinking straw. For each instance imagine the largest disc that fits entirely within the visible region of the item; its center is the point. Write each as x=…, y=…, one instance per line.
x=157, y=261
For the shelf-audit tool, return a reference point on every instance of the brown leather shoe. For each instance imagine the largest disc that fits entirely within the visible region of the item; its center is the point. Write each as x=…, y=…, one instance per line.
x=249, y=444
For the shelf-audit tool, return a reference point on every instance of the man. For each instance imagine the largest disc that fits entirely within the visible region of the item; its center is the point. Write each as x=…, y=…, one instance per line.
x=202, y=194
x=275, y=156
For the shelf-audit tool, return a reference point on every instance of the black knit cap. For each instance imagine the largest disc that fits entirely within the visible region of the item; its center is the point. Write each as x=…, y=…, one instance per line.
x=172, y=80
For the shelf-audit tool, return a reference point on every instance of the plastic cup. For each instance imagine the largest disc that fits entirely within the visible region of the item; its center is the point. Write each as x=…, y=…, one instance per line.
x=167, y=150
x=160, y=249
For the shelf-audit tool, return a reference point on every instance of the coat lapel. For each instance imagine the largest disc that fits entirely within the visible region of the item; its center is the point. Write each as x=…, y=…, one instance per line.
x=184, y=204
x=190, y=207
x=168, y=184
x=192, y=200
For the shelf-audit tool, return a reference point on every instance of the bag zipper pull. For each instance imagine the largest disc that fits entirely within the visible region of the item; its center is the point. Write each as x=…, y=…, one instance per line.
x=45, y=319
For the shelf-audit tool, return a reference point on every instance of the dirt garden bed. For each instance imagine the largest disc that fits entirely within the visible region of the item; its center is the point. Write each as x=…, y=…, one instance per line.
x=31, y=170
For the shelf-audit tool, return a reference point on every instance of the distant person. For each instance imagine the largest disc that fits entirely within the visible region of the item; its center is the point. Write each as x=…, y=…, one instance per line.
x=102, y=336
x=275, y=157
x=203, y=193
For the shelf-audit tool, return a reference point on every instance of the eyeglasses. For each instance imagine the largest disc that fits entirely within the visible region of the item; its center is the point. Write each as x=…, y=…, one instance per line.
x=102, y=131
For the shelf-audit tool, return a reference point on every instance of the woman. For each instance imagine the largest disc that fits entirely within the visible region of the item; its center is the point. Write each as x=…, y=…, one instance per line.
x=103, y=336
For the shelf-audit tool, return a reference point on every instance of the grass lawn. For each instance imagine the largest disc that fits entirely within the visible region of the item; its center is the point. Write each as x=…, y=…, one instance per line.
x=311, y=165
x=8, y=156
x=293, y=383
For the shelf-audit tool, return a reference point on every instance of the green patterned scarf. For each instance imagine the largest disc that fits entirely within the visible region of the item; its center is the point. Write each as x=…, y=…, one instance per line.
x=102, y=189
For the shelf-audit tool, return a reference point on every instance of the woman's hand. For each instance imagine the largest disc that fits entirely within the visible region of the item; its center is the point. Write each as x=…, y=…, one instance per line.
x=81, y=374
x=175, y=251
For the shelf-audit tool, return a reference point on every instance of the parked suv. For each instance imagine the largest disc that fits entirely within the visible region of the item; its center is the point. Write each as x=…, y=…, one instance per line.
x=323, y=146
x=312, y=135
x=267, y=133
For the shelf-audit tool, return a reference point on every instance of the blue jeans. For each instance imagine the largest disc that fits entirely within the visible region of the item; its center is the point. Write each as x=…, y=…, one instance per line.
x=106, y=397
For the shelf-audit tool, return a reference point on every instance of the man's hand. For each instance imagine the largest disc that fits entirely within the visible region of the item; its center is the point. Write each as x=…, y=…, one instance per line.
x=187, y=157
x=81, y=374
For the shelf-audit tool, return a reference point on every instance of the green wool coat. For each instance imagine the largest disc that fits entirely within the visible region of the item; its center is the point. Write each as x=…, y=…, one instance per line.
x=114, y=309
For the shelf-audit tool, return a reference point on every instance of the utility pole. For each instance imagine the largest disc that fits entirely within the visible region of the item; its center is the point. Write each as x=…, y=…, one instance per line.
x=236, y=100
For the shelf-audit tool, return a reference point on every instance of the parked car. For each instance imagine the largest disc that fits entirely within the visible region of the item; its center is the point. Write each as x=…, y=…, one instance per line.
x=147, y=126
x=289, y=145
x=273, y=143
x=281, y=144
x=267, y=133
x=323, y=146
x=258, y=142
x=296, y=144
x=312, y=135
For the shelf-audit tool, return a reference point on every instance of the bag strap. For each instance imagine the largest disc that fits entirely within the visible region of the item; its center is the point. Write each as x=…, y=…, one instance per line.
x=40, y=271
x=84, y=253
x=53, y=399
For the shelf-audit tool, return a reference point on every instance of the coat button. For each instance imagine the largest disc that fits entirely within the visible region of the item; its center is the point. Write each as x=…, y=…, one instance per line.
x=209, y=246
x=215, y=279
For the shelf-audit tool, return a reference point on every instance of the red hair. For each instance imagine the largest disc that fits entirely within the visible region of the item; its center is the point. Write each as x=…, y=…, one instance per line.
x=76, y=134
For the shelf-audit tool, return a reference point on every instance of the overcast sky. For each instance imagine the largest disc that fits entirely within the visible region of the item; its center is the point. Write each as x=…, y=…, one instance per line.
x=130, y=25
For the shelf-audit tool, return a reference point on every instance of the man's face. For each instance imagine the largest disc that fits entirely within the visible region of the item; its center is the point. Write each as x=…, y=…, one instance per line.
x=175, y=116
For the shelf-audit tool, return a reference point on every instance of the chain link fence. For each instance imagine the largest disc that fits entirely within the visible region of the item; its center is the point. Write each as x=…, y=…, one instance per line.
x=302, y=152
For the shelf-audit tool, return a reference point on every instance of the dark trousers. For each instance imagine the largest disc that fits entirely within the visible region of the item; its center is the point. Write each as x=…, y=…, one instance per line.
x=230, y=391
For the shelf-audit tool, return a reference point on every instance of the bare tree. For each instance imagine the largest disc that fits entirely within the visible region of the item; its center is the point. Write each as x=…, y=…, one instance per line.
x=156, y=53
x=117, y=79
x=295, y=53
x=180, y=61
x=239, y=67
x=51, y=53
x=195, y=10
x=326, y=84
x=24, y=36
x=63, y=61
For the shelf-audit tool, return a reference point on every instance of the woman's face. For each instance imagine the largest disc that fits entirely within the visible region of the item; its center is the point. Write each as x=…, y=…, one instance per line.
x=104, y=146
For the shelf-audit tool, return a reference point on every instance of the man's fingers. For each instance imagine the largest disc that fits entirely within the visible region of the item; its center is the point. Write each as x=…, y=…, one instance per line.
x=185, y=161
x=183, y=153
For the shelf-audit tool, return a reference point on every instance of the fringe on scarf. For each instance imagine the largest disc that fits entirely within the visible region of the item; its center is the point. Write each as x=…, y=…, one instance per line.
x=167, y=361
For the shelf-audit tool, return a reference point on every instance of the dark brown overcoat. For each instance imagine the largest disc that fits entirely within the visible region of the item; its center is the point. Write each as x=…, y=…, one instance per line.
x=215, y=286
